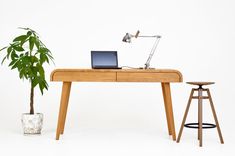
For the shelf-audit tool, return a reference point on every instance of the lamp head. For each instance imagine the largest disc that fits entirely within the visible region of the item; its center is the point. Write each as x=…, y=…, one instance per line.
x=128, y=36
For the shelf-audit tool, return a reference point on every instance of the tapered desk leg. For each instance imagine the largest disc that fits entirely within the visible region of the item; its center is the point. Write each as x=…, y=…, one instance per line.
x=169, y=108
x=166, y=109
x=63, y=108
x=68, y=88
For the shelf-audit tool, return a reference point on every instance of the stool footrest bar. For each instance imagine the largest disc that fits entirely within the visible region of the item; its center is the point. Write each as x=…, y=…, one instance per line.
x=196, y=125
x=202, y=97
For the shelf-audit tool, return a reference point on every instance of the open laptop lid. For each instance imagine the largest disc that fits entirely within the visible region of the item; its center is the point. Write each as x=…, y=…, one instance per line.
x=104, y=60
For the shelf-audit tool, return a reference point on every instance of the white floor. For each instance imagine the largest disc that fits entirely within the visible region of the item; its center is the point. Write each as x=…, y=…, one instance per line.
x=132, y=124
x=107, y=127
x=115, y=141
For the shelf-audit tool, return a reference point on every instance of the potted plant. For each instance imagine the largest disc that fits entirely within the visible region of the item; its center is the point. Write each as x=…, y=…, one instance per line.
x=27, y=54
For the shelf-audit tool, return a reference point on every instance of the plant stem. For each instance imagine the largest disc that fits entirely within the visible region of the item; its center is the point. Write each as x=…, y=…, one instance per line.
x=31, y=99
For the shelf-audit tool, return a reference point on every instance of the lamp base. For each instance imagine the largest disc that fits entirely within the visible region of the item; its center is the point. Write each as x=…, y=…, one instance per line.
x=145, y=68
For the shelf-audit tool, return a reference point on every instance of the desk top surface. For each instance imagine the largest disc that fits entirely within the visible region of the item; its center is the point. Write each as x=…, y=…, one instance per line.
x=59, y=74
x=114, y=70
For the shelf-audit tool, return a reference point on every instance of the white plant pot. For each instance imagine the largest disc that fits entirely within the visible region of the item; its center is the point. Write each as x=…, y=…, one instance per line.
x=32, y=123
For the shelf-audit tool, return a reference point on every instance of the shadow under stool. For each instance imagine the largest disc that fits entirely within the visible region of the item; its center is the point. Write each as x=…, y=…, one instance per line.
x=200, y=125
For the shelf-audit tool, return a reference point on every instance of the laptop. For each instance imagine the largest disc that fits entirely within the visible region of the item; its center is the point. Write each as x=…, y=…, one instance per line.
x=104, y=60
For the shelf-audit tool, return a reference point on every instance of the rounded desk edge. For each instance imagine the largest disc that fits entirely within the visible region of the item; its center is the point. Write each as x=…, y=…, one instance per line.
x=118, y=70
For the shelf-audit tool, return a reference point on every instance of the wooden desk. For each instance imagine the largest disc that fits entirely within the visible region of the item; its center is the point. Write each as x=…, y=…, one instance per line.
x=164, y=76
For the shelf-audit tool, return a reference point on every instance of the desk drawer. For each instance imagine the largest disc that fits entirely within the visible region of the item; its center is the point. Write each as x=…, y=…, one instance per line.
x=85, y=76
x=147, y=77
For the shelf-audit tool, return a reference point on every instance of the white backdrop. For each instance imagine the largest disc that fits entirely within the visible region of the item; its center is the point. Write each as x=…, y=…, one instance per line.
x=197, y=39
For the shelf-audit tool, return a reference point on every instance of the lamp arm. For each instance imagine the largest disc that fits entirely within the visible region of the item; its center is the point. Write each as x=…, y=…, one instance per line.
x=157, y=36
x=147, y=64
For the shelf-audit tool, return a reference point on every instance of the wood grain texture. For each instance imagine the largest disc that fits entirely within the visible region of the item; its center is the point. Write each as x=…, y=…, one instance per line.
x=147, y=77
x=117, y=75
x=63, y=108
x=66, y=101
x=169, y=108
x=166, y=109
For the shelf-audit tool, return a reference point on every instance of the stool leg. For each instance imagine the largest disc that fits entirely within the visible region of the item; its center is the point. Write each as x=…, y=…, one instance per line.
x=215, y=117
x=185, y=115
x=200, y=116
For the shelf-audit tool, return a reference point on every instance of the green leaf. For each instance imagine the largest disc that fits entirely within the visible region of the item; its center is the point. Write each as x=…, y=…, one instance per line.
x=23, y=42
x=35, y=82
x=29, y=33
x=25, y=60
x=14, y=55
x=21, y=66
x=18, y=48
x=41, y=71
x=34, y=71
x=43, y=50
x=41, y=87
x=47, y=60
x=42, y=58
x=48, y=54
x=31, y=43
x=22, y=73
x=26, y=76
x=45, y=84
x=3, y=48
x=23, y=28
x=9, y=49
x=37, y=43
x=3, y=59
x=20, y=38
x=12, y=62
x=14, y=66
x=9, y=53
x=34, y=59
x=29, y=73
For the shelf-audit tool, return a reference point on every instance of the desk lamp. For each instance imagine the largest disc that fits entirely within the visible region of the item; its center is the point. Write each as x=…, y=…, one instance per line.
x=127, y=38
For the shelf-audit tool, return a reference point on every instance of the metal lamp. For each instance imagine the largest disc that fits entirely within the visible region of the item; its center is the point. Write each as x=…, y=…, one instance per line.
x=128, y=36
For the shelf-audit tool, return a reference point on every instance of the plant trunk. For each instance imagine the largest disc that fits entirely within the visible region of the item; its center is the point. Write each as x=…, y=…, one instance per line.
x=31, y=99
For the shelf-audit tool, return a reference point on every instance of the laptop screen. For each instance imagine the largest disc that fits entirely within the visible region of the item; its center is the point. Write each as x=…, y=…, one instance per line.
x=104, y=59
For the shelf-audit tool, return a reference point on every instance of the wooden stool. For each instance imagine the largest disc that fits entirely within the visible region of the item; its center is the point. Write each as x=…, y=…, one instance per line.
x=200, y=125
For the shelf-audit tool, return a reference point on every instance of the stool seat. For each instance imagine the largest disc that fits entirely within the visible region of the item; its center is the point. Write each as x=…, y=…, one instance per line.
x=200, y=83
